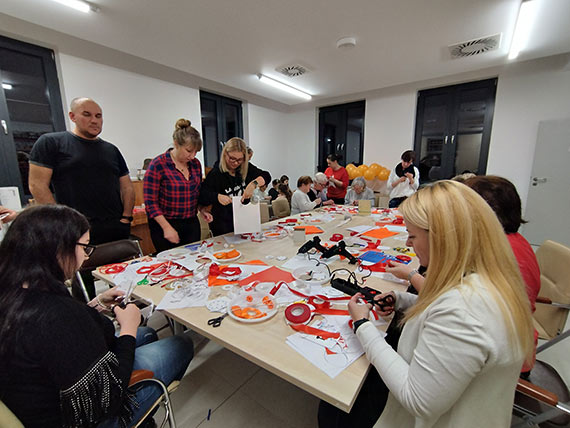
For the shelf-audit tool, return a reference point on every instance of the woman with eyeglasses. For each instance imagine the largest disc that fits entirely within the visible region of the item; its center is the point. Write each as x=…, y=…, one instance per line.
x=61, y=364
x=233, y=176
x=468, y=331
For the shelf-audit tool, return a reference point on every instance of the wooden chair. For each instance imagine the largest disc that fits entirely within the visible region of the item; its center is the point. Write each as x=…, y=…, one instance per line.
x=281, y=208
x=205, y=232
x=264, y=212
x=553, y=302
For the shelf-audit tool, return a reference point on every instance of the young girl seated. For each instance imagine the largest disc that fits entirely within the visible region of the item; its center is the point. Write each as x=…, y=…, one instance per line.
x=300, y=201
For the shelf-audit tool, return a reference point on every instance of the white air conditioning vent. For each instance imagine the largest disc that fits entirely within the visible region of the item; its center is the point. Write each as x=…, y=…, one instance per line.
x=475, y=46
x=292, y=70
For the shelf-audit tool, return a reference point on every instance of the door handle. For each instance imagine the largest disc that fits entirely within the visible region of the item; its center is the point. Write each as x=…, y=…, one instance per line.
x=4, y=127
x=342, y=146
x=538, y=180
x=445, y=140
x=452, y=139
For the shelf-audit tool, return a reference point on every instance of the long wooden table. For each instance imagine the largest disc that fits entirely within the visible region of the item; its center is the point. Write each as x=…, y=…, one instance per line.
x=264, y=343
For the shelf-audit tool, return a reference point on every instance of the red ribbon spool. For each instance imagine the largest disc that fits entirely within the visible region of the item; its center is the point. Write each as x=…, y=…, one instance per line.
x=298, y=313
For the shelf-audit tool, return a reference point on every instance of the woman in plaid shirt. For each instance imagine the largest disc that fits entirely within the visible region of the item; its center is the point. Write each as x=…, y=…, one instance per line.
x=171, y=189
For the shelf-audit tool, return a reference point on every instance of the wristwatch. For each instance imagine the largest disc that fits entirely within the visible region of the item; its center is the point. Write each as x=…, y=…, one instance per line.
x=358, y=323
x=255, y=183
x=126, y=217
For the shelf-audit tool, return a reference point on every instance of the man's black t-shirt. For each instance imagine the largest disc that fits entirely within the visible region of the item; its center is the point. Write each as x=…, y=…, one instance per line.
x=85, y=173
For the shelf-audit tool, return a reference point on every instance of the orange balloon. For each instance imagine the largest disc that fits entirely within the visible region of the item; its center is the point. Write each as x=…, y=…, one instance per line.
x=369, y=174
x=352, y=172
x=349, y=167
x=384, y=174
x=375, y=168
x=361, y=170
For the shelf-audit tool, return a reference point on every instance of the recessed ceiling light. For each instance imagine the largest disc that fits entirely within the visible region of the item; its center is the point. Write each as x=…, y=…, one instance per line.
x=79, y=5
x=6, y=86
x=283, y=87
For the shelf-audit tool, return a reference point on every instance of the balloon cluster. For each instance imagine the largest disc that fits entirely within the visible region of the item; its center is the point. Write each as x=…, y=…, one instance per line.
x=368, y=172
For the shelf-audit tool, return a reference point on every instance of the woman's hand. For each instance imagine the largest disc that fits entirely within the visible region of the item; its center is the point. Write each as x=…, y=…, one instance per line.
x=317, y=201
x=399, y=270
x=128, y=318
x=328, y=202
x=111, y=296
x=248, y=191
x=358, y=310
x=387, y=308
x=208, y=217
x=224, y=199
x=11, y=214
x=171, y=235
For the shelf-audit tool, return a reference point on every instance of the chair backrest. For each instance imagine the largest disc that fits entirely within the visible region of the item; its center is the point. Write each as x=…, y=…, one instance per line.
x=113, y=252
x=8, y=419
x=554, y=261
x=281, y=208
x=204, y=228
x=381, y=200
x=264, y=212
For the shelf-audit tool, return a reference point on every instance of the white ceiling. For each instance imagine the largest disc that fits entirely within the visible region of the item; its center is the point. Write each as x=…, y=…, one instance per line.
x=229, y=41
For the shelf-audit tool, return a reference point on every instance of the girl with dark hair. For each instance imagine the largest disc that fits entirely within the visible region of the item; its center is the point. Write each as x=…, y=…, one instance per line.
x=60, y=362
x=404, y=180
x=338, y=179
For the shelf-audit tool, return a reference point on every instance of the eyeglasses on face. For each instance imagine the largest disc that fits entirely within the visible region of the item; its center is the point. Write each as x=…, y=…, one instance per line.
x=235, y=160
x=88, y=248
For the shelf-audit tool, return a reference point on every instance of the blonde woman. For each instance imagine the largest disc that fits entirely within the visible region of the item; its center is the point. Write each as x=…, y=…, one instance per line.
x=233, y=176
x=468, y=331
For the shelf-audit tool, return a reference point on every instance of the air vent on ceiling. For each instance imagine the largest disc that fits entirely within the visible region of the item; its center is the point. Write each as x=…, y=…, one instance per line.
x=475, y=46
x=292, y=70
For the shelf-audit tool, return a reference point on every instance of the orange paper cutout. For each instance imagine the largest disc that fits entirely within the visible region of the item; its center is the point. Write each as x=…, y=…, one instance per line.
x=309, y=229
x=273, y=274
x=379, y=233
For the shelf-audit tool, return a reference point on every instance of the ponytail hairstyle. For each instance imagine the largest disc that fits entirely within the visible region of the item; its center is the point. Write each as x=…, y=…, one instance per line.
x=185, y=135
x=283, y=188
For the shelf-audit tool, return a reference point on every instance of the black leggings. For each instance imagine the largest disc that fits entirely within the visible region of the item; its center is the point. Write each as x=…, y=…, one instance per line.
x=188, y=231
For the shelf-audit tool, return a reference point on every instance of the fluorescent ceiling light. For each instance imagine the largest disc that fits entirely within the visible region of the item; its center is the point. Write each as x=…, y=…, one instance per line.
x=79, y=5
x=527, y=13
x=283, y=87
x=6, y=86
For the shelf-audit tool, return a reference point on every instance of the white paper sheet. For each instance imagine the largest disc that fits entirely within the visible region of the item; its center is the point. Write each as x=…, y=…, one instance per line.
x=247, y=218
x=192, y=295
x=10, y=198
x=361, y=229
x=395, y=228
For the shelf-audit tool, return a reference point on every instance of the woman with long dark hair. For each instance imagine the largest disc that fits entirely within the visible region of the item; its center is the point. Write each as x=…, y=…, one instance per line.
x=60, y=361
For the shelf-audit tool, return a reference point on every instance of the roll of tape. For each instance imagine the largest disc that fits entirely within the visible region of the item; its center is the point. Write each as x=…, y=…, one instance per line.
x=298, y=313
x=319, y=303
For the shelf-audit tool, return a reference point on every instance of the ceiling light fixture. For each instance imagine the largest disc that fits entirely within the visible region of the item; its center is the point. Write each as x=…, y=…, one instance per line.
x=6, y=86
x=276, y=84
x=527, y=13
x=346, y=43
x=79, y=5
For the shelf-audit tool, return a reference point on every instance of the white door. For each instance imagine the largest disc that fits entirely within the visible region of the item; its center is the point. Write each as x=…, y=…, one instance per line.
x=548, y=204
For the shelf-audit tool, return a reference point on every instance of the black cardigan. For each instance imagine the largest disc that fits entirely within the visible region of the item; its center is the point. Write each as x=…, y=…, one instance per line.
x=218, y=182
x=68, y=368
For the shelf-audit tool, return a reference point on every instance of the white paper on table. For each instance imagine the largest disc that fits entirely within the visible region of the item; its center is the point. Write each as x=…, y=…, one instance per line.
x=189, y=262
x=247, y=270
x=235, y=239
x=10, y=198
x=389, y=277
x=247, y=218
x=347, y=350
x=130, y=273
x=395, y=228
x=187, y=297
x=300, y=261
x=361, y=229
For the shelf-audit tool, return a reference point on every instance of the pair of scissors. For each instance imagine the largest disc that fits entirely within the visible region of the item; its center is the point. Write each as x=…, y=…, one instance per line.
x=216, y=322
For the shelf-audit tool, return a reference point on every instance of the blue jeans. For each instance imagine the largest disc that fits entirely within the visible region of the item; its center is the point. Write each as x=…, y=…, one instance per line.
x=167, y=358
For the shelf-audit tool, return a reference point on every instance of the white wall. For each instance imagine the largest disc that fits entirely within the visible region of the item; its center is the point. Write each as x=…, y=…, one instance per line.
x=139, y=112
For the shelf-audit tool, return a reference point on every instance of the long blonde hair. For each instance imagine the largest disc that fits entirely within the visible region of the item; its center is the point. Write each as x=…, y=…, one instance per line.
x=466, y=237
x=235, y=144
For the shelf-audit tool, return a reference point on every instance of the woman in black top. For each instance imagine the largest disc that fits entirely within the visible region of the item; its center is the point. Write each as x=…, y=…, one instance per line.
x=233, y=176
x=60, y=361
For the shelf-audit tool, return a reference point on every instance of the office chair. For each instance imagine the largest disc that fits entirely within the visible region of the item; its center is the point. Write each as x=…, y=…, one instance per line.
x=553, y=302
x=104, y=254
x=281, y=208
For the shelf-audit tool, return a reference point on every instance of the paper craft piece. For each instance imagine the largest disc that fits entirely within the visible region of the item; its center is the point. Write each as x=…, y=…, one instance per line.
x=379, y=233
x=273, y=274
x=235, y=239
x=364, y=206
x=10, y=198
x=394, y=228
x=374, y=257
x=309, y=229
x=185, y=296
x=247, y=218
x=360, y=229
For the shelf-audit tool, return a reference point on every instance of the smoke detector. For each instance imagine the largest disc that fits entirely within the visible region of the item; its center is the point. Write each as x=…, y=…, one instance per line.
x=292, y=70
x=475, y=46
x=346, y=43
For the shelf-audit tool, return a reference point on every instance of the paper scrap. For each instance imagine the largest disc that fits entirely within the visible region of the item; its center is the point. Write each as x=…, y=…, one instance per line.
x=247, y=218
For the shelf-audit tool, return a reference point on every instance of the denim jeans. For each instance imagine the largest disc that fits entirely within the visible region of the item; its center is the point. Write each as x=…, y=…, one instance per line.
x=167, y=358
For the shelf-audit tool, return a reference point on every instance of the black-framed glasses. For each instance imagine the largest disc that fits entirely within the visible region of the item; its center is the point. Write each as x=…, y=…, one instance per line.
x=88, y=248
x=235, y=160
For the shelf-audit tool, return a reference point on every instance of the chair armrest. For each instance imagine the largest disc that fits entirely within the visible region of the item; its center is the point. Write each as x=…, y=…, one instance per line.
x=536, y=392
x=138, y=375
x=547, y=301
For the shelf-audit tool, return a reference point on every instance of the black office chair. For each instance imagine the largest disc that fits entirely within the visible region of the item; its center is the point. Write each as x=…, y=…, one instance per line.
x=104, y=254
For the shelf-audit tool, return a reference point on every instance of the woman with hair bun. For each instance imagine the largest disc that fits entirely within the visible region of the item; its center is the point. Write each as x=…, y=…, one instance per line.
x=338, y=179
x=171, y=189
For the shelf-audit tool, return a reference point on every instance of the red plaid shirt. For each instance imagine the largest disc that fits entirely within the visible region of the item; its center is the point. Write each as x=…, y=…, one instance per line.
x=167, y=192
